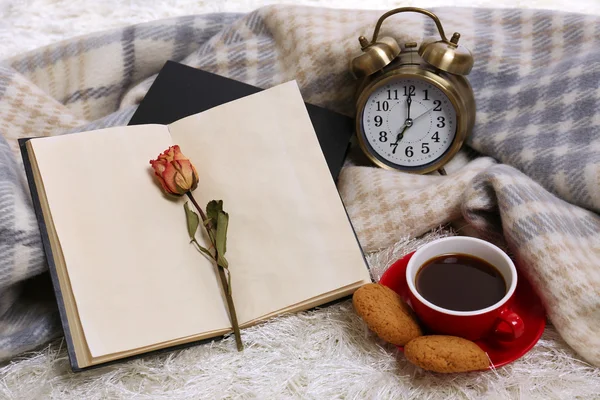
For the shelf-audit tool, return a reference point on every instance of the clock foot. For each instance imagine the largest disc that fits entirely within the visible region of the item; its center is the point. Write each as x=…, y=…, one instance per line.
x=442, y=171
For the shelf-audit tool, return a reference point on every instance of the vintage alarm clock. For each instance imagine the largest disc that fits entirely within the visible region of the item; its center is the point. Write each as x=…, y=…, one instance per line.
x=414, y=108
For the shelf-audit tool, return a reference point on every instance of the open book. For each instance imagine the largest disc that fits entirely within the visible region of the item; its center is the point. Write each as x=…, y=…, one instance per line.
x=127, y=278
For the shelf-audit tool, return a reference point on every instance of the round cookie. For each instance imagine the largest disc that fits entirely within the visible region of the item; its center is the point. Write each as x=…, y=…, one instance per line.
x=446, y=354
x=386, y=314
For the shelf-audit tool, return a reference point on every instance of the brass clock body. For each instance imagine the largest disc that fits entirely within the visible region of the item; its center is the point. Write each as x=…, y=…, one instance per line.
x=392, y=79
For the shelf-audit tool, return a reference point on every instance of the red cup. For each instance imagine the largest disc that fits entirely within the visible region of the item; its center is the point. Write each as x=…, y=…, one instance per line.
x=497, y=321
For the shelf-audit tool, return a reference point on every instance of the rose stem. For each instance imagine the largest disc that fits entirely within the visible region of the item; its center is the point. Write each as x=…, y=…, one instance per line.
x=228, y=297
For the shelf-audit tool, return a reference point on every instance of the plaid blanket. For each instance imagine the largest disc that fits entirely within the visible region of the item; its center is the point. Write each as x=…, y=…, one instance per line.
x=530, y=180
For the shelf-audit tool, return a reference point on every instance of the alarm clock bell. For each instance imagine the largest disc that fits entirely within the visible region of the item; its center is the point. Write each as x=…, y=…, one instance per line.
x=446, y=55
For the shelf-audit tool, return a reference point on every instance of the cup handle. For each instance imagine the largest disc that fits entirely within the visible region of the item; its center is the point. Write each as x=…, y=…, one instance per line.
x=513, y=321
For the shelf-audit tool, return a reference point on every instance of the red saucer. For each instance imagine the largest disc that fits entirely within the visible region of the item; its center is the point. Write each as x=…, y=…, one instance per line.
x=526, y=303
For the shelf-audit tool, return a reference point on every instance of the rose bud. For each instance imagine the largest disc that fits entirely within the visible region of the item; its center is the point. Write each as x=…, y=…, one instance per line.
x=175, y=172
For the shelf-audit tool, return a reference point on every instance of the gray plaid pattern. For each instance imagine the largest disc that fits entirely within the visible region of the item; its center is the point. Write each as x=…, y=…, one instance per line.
x=23, y=324
x=536, y=82
x=542, y=106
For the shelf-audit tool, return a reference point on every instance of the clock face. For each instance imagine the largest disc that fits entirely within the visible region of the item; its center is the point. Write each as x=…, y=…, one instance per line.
x=409, y=123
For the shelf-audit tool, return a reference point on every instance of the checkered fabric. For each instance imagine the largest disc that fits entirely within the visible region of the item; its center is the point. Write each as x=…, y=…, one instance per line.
x=534, y=182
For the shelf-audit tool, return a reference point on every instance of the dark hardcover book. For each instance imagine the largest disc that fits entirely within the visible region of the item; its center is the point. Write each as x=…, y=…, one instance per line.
x=180, y=91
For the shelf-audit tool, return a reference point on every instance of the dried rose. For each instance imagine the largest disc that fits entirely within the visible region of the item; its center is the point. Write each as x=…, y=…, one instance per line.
x=178, y=177
x=175, y=172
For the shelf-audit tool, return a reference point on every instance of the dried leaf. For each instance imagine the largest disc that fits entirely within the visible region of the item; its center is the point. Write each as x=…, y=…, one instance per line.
x=223, y=262
x=212, y=211
x=204, y=250
x=221, y=238
x=192, y=221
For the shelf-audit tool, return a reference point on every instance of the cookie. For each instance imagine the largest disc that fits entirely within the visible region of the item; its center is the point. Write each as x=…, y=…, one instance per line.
x=386, y=314
x=446, y=354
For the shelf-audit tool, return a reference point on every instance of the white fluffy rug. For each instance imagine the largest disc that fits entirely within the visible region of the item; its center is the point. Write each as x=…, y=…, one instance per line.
x=323, y=354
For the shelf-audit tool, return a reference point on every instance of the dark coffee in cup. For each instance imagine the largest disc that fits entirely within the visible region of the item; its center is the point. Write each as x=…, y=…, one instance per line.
x=460, y=282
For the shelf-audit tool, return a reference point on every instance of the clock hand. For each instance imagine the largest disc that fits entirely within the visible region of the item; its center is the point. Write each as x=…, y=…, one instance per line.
x=408, y=102
x=401, y=133
x=426, y=112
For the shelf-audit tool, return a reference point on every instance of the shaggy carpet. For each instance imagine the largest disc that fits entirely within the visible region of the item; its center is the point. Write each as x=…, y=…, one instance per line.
x=323, y=354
